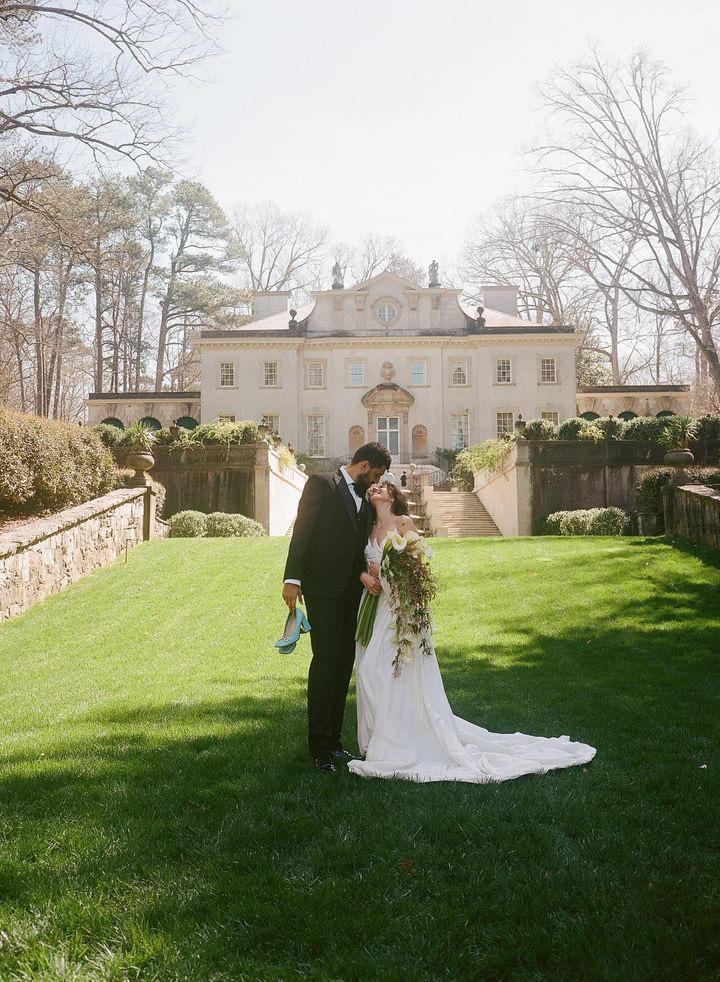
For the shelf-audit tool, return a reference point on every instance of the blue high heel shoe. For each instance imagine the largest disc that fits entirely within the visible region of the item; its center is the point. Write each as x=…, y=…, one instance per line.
x=295, y=625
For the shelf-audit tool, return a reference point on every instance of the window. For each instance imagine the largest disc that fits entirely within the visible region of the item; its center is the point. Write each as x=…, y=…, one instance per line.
x=388, y=432
x=225, y=418
x=386, y=313
x=316, y=436
x=503, y=371
x=458, y=373
x=270, y=373
x=418, y=373
x=551, y=415
x=272, y=421
x=505, y=423
x=459, y=433
x=316, y=375
x=356, y=373
x=548, y=370
x=227, y=374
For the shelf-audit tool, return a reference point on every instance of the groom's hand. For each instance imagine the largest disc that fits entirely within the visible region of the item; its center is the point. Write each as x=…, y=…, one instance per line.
x=291, y=594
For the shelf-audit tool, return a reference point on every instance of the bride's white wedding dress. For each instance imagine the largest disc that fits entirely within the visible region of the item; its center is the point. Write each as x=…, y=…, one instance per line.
x=406, y=728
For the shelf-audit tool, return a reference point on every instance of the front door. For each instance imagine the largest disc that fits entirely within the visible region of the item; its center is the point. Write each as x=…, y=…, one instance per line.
x=388, y=433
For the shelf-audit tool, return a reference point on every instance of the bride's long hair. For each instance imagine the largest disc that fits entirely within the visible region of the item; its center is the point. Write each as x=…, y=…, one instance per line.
x=398, y=501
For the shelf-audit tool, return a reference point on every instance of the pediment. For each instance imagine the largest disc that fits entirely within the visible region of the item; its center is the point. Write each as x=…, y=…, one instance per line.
x=386, y=395
x=388, y=281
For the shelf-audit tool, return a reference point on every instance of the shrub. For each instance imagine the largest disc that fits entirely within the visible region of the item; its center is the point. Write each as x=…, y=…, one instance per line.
x=50, y=465
x=591, y=521
x=220, y=523
x=644, y=428
x=540, y=429
x=611, y=427
x=286, y=456
x=608, y=521
x=576, y=522
x=165, y=438
x=591, y=433
x=570, y=429
x=111, y=436
x=678, y=432
x=140, y=438
x=649, y=490
x=487, y=456
x=222, y=432
x=188, y=525
x=707, y=441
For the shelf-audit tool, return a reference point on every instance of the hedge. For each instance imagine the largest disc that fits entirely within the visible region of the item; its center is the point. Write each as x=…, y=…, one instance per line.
x=591, y=521
x=196, y=524
x=49, y=465
x=223, y=524
x=649, y=489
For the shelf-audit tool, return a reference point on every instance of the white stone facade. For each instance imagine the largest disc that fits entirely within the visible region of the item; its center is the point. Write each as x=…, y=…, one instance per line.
x=387, y=361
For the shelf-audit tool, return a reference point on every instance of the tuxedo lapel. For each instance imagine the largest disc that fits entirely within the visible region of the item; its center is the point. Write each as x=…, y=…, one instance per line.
x=347, y=498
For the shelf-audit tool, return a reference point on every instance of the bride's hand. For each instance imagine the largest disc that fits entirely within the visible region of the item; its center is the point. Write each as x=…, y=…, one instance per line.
x=371, y=583
x=374, y=570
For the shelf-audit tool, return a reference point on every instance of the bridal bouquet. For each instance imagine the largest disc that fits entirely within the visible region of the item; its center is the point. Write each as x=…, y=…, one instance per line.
x=405, y=567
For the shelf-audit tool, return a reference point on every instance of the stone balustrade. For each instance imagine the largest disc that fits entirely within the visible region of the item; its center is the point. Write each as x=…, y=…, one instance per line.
x=693, y=512
x=47, y=554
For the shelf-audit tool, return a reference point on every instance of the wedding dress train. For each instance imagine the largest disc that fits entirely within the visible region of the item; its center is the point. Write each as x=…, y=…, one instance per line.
x=406, y=728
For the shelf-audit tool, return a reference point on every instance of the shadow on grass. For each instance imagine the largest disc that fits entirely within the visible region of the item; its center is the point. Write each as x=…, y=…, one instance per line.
x=194, y=840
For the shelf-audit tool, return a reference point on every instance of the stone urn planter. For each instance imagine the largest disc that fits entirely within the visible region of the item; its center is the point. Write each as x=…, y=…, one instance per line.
x=679, y=459
x=140, y=442
x=141, y=463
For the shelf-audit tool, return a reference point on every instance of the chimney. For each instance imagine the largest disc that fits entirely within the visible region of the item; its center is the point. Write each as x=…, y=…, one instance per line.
x=501, y=298
x=269, y=302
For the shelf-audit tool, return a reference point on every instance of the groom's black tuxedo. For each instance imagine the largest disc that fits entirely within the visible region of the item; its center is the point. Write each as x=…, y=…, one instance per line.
x=327, y=547
x=327, y=555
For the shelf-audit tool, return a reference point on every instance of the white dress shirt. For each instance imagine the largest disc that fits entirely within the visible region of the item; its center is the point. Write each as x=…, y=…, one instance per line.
x=356, y=498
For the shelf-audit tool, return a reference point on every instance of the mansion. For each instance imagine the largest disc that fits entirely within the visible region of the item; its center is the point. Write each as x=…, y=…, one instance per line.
x=414, y=368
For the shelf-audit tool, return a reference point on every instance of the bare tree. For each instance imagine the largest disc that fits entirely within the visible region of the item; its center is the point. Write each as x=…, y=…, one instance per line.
x=84, y=73
x=277, y=250
x=626, y=161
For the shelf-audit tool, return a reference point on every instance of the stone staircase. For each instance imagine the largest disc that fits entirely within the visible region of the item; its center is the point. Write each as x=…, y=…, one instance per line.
x=462, y=514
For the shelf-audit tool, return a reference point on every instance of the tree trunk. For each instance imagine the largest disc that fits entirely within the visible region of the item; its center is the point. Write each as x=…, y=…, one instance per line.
x=40, y=407
x=141, y=315
x=98, y=329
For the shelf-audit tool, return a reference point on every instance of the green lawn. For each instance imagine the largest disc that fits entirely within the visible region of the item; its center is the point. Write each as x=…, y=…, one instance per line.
x=160, y=818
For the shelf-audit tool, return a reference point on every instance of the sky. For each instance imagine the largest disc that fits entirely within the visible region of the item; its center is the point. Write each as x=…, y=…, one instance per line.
x=410, y=118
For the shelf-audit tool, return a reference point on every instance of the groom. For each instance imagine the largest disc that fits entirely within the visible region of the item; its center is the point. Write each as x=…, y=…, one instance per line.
x=324, y=564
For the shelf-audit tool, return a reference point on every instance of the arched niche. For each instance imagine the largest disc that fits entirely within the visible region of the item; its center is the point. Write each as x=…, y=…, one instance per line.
x=114, y=421
x=419, y=440
x=356, y=438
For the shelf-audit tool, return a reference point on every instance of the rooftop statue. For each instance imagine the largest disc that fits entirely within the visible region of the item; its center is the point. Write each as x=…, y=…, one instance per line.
x=337, y=274
x=433, y=272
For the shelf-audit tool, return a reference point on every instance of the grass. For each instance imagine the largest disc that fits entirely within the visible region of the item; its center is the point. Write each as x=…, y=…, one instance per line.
x=160, y=819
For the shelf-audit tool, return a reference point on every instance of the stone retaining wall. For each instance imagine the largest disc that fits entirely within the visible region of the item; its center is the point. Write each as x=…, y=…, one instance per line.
x=48, y=554
x=693, y=512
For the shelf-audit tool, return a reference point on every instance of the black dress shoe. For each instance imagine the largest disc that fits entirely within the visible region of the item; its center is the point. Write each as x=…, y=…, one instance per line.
x=324, y=764
x=343, y=756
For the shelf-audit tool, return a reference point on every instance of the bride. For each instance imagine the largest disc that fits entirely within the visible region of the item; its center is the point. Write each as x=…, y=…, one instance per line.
x=406, y=728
